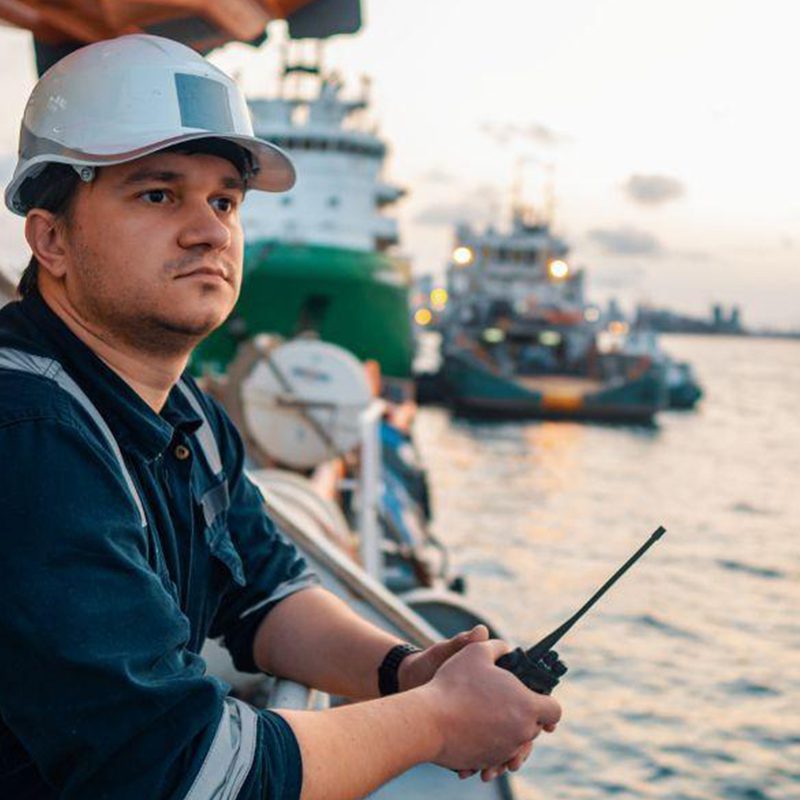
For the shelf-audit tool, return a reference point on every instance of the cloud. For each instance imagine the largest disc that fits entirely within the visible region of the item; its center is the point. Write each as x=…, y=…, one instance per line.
x=625, y=241
x=536, y=132
x=620, y=277
x=453, y=213
x=7, y=163
x=477, y=206
x=438, y=176
x=693, y=255
x=653, y=190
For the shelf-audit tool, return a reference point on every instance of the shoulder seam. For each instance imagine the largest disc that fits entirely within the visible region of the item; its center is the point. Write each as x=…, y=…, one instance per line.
x=60, y=400
x=99, y=447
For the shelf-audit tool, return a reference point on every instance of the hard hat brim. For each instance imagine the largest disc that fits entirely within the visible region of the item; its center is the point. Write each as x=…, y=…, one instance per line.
x=274, y=171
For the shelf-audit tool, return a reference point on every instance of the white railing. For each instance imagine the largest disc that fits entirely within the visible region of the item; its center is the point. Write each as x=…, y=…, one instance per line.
x=370, y=486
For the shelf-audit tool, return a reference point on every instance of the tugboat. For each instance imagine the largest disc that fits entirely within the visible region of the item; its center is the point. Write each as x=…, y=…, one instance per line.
x=322, y=257
x=683, y=388
x=518, y=339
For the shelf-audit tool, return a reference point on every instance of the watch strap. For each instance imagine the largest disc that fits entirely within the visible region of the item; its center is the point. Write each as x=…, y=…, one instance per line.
x=387, y=671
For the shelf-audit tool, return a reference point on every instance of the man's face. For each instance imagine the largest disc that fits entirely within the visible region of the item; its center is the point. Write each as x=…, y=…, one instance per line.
x=154, y=249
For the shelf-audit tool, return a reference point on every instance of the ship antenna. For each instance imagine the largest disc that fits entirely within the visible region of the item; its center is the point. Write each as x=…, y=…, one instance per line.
x=284, y=51
x=516, y=192
x=319, y=50
x=366, y=88
x=550, y=194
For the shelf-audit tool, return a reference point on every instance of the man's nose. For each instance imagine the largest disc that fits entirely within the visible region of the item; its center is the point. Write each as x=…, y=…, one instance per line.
x=203, y=226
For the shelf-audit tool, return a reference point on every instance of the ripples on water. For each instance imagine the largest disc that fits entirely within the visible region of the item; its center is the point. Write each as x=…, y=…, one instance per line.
x=683, y=682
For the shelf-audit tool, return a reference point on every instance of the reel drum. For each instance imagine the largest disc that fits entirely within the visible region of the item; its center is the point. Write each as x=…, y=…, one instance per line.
x=302, y=402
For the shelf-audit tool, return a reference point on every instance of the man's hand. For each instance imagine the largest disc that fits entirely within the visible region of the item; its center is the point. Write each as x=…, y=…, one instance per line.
x=472, y=697
x=459, y=709
x=419, y=668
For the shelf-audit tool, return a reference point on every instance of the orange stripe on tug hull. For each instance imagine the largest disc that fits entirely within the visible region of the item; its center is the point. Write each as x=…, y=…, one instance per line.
x=560, y=402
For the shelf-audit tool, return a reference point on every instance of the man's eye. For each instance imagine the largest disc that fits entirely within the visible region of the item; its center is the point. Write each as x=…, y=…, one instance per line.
x=155, y=196
x=224, y=204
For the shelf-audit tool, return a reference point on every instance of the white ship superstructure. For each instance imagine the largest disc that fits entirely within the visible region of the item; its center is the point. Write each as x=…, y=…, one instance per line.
x=340, y=197
x=525, y=268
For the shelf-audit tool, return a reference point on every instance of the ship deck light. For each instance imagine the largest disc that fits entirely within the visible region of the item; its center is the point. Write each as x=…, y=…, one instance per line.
x=423, y=316
x=591, y=314
x=558, y=269
x=493, y=335
x=439, y=298
x=463, y=256
x=618, y=327
x=550, y=338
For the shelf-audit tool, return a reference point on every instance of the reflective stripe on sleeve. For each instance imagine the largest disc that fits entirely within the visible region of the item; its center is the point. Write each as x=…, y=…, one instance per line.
x=231, y=755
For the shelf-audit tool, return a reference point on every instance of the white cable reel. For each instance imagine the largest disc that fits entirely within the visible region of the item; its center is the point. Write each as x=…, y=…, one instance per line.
x=303, y=400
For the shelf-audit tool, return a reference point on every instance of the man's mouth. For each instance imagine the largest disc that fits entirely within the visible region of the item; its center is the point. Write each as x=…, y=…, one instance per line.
x=216, y=272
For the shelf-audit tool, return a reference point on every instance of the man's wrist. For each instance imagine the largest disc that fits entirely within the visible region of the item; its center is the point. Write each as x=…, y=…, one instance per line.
x=405, y=673
x=436, y=722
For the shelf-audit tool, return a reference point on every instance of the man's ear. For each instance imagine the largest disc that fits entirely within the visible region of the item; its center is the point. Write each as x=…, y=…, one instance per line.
x=45, y=235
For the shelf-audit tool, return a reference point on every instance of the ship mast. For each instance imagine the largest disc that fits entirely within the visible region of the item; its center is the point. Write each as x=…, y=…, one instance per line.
x=299, y=59
x=523, y=213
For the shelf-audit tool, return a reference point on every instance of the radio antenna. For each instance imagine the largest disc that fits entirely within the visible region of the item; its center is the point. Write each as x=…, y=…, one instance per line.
x=549, y=640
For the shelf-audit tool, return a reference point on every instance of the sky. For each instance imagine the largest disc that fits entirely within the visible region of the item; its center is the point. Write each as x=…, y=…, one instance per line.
x=669, y=130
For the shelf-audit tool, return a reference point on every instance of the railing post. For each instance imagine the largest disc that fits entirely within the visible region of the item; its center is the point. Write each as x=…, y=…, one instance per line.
x=370, y=487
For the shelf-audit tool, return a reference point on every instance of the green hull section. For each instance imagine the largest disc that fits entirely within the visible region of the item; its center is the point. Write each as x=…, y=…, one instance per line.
x=354, y=299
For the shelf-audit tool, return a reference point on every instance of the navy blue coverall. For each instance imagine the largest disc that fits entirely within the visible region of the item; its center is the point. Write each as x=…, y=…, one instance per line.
x=102, y=691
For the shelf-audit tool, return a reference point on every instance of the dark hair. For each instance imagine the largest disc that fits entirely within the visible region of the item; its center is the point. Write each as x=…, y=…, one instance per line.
x=53, y=189
x=241, y=158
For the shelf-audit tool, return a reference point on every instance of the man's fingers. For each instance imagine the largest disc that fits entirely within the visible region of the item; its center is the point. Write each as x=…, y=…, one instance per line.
x=492, y=773
x=512, y=765
x=549, y=713
x=480, y=633
x=441, y=651
x=520, y=757
x=419, y=668
x=497, y=647
x=466, y=773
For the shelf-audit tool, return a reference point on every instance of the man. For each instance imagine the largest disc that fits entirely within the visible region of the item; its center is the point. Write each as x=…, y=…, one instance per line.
x=130, y=531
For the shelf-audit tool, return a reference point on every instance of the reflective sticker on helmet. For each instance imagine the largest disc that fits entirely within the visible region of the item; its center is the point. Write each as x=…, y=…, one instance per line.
x=203, y=103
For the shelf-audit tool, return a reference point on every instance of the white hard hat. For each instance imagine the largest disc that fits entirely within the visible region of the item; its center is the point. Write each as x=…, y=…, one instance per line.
x=118, y=100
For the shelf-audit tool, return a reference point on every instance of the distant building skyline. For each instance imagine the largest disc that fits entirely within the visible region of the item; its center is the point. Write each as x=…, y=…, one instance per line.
x=665, y=128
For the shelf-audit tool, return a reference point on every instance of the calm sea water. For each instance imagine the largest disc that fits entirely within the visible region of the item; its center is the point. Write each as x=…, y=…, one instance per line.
x=684, y=682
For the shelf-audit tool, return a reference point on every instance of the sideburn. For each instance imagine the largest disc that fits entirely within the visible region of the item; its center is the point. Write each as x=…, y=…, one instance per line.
x=53, y=190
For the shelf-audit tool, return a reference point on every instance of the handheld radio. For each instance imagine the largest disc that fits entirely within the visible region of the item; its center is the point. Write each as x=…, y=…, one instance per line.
x=539, y=667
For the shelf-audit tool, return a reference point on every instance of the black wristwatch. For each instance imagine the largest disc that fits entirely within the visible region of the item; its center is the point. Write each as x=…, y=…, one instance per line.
x=387, y=671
